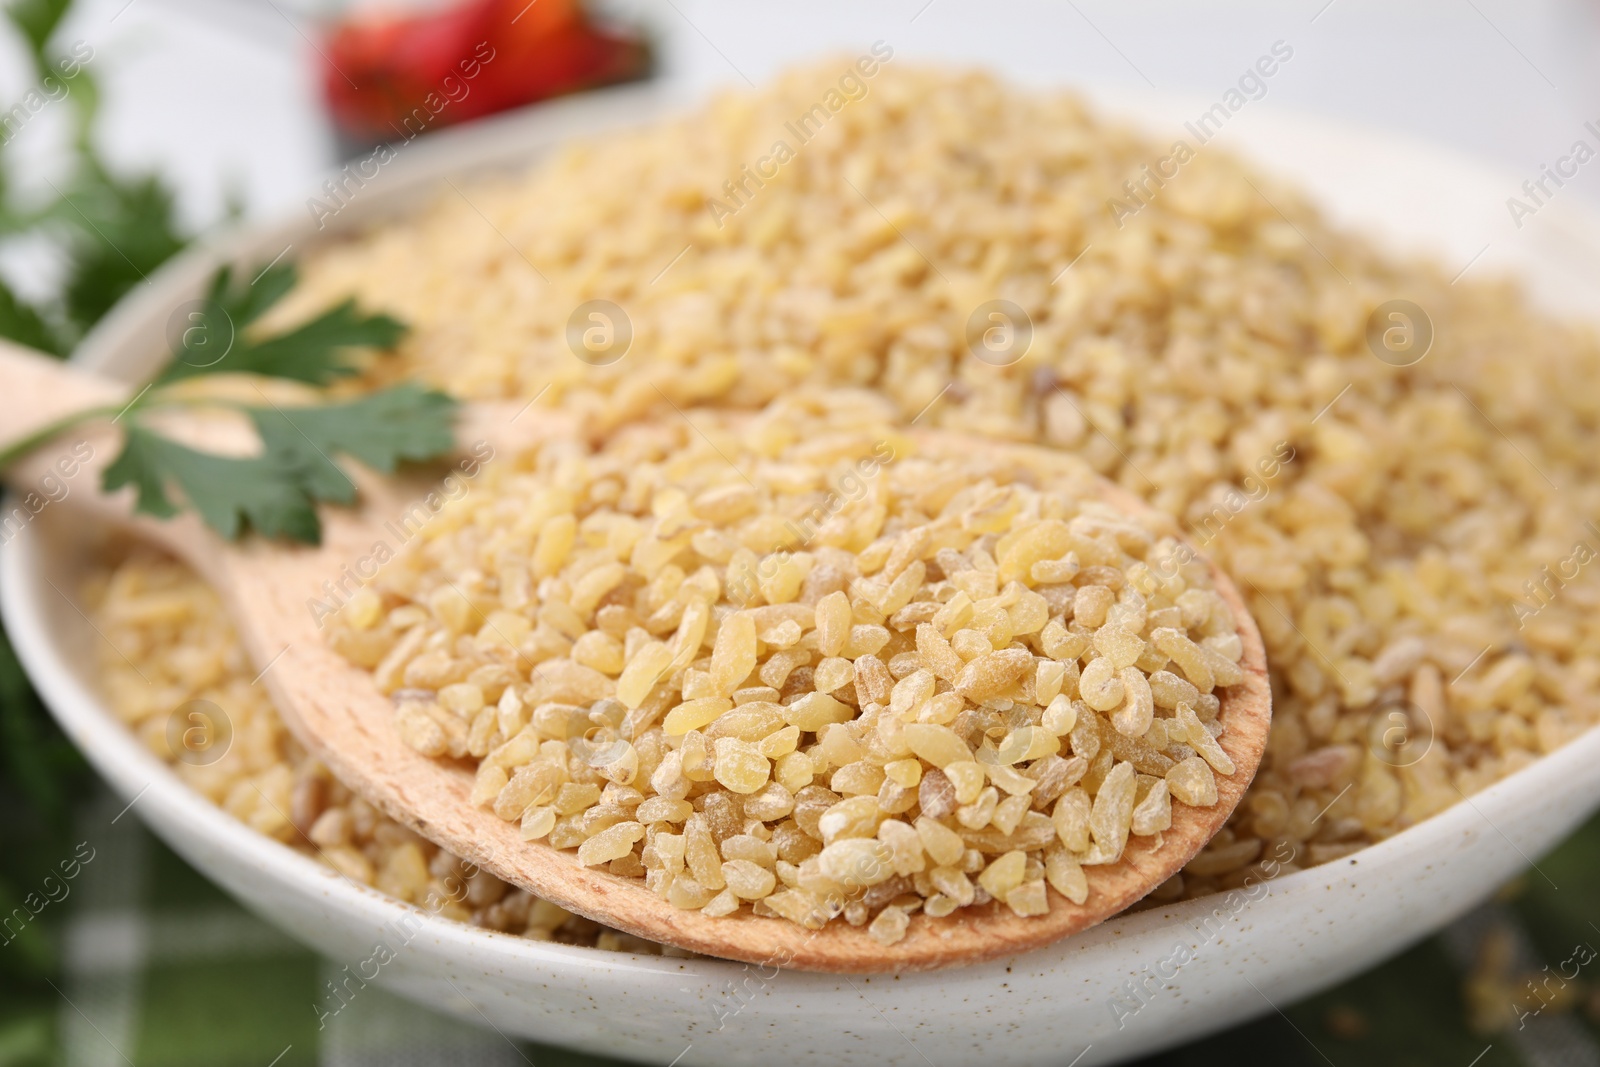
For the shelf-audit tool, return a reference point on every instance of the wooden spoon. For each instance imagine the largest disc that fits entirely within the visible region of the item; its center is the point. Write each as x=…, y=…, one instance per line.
x=334, y=709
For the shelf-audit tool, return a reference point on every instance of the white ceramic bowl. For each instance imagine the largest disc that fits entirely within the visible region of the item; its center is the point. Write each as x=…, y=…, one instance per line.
x=1241, y=956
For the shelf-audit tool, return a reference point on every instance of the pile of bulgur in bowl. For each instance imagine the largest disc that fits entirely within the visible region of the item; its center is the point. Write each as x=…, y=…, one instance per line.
x=169, y=650
x=1389, y=526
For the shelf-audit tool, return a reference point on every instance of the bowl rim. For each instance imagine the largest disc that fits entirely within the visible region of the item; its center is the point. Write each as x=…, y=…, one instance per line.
x=507, y=143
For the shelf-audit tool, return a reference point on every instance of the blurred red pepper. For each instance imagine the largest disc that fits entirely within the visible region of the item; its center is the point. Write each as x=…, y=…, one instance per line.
x=389, y=76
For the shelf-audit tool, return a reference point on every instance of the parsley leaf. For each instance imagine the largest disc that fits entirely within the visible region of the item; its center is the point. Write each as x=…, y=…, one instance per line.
x=269, y=287
x=229, y=492
x=403, y=422
x=315, y=352
x=275, y=493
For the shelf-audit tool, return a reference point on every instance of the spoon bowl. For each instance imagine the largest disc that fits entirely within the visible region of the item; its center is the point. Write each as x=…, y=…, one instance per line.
x=279, y=596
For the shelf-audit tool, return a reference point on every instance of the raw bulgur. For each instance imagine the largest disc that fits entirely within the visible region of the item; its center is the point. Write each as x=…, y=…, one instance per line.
x=1387, y=563
x=157, y=612
x=787, y=659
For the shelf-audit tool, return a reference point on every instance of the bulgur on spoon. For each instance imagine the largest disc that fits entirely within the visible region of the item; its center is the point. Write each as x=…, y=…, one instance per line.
x=803, y=687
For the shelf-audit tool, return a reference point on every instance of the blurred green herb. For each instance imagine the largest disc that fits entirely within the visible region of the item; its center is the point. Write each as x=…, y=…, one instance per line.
x=405, y=422
x=36, y=20
x=313, y=352
x=113, y=231
x=23, y=324
x=229, y=492
x=41, y=774
x=117, y=231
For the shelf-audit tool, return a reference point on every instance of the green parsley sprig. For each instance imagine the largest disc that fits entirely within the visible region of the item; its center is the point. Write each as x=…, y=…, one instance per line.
x=274, y=492
x=314, y=352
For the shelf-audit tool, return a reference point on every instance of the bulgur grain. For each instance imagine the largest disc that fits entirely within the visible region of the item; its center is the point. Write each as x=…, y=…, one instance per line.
x=156, y=608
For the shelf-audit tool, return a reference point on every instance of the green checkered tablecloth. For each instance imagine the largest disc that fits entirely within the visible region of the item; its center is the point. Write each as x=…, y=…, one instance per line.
x=156, y=966
x=151, y=965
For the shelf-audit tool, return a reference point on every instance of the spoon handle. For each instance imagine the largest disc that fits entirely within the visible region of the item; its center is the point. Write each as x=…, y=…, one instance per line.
x=38, y=392
x=55, y=462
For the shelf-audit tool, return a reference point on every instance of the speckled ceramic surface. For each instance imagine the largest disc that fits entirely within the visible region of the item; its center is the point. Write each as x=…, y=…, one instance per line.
x=1133, y=985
